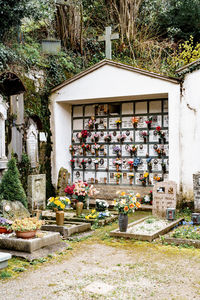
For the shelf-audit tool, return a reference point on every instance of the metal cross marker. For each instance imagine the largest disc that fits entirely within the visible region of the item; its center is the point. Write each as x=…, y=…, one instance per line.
x=108, y=37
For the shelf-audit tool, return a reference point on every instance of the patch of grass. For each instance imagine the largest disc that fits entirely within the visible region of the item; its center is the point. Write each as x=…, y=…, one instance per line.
x=22, y=269
x=5, y=274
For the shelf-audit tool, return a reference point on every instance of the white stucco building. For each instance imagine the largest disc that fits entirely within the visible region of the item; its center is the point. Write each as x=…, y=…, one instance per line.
x=111, y=82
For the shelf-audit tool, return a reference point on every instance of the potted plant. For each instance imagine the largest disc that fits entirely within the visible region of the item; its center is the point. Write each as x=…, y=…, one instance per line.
x=118, y=122
x=5, y=226
x=125, y=203
x=101, y=205
x=59, y=204
x=26, y=228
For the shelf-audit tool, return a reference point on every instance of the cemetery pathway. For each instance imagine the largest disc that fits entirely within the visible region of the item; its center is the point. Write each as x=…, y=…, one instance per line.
x=100, y=271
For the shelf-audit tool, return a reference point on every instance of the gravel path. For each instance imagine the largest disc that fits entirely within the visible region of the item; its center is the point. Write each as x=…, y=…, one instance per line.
x=144, y=271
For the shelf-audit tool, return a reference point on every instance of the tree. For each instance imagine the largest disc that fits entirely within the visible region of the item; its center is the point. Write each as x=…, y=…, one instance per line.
x=11, y=188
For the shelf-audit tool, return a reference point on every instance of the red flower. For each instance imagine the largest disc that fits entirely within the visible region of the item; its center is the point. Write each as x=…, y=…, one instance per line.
x=69, y=189
x=84, y=133
x=158, y=128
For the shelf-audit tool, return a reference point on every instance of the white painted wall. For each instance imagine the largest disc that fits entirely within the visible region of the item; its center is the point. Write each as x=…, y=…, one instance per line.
x=109, y=83
x=190, y=131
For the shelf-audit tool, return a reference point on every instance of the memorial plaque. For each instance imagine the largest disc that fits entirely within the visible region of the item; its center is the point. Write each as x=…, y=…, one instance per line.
x=127, y=122
x=112, y=178
x=111, y=149
x=77, y=124
x=102, y=163
x=100, y=177
x=142, y=122
x=111, y=165
x=125, y=178
x=164, y=196
x=114, y=135
x=196, y=187
x=165, y=120
x=78, y=111
x=138, y=175
x=89, y=110
x=127, y=108
x=142, y=150
x=141, y=107
x=77, y=175
x=153, y=136
x=156, y=165
x=142, y=166
x=156, y=121
x=112, y=123
x=155, y=106
x=103, y=123
x=89, y=176
x=138, y=136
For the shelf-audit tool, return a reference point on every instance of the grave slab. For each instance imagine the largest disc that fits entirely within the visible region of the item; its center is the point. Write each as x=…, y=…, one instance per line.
x=4, y=257
x=71, y=217
x=99, y=287
x=13, y=243
x=41, y=253
x=177, y=242
x=68, y=229
x=144, y=237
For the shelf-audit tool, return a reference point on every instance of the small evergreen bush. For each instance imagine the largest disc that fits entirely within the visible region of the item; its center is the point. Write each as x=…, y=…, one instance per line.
x=11, y=188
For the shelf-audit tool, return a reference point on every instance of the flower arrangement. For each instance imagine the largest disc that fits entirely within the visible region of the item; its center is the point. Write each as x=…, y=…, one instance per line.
x=108, y=138
x=101, y=205
x=118, y=176
x=131, y=175
x=144, y=178
x=126, y=202
x=130, y=163
x=72, y=149
x=95, y=137
x=88, y=148
x=27, y=224
x=5, y=223
x=82, y=190
x=96, y=146
x=160, y=133
x=160, y=152
x=117, y=163
x=149, y=122
x=59, y=203
x=132, y=150
x=157, y=178
x=117, y=150
x=144, y=134
x=147, y=199
x=72, y=161
x=135, y=122
x=118, y=122
x=91, y=123
x=136, y=163
x=84, y=134
x=121, y=138
x=83, y=163
x=92, y=215
x=69, y=190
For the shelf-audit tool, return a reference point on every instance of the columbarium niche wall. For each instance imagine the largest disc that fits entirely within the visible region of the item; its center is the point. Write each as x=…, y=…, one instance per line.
x=107, y=155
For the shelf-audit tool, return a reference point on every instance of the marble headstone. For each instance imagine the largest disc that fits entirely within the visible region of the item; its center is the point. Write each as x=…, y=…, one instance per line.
x=196, y=187
x=37, y=192
x=32, y=144
x=164, y=196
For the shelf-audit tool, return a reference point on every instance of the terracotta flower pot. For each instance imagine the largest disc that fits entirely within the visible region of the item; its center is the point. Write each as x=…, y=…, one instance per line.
x=60, y=217
x=79, y=208
x=4, y=230
x=26, y=234
x=123, y=222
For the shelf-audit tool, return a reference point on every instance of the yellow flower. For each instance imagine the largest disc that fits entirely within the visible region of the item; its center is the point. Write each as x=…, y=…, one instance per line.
x=133, y=199
x=123, y=201
x=93, y=211
x=126, y=208
x=51, y=199
x=131, y=205
x=146, y=174
x=62, y=206
x=123, y=193
x=114, y=202
x=94, y=217
x=138, y=195
x=138, y=204
x=87, y=217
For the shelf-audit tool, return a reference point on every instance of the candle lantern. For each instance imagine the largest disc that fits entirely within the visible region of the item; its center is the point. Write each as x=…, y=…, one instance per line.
x=170, y=214
x=195, y=218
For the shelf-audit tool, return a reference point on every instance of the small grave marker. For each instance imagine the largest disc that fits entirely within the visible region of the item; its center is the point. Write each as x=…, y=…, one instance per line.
x=37, y=191
x=164, y=196
x=107, y=38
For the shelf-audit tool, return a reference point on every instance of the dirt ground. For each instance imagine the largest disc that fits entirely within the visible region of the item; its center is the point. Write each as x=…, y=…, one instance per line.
x=131, y=270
